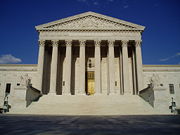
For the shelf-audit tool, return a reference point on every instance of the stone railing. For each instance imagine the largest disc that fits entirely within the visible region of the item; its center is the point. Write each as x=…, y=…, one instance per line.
x=148, y=95
x=32, y=95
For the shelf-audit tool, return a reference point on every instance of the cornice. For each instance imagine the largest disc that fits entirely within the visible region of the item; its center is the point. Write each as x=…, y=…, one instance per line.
x=29, y=70
x=18, y=65
x=161, y=66
x=161, y=70
x=92, y=30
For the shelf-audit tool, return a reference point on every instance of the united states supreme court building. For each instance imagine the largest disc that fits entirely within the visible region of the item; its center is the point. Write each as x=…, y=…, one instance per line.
x=90, y=64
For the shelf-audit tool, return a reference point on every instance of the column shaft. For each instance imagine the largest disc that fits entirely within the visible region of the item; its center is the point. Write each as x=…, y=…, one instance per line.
x=139, y=66
x=97, y=67
x=111, y=68
x=134, y=73
x=125, y=67
x=68, y=66
x=82, y=67
x=53, y=75
x=121, y=71
x=41, y=63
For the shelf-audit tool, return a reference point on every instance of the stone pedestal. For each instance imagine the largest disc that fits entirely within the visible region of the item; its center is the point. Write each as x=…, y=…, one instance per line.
x=161, y=100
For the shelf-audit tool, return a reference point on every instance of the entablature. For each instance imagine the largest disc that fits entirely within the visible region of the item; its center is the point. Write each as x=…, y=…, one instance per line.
x=117, y=35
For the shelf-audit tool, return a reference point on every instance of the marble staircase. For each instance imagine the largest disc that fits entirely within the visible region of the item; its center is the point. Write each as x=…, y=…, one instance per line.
x=88, y=105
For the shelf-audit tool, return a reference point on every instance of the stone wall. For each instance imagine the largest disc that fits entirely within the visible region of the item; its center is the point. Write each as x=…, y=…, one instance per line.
x=16, y=75
x=166, y=74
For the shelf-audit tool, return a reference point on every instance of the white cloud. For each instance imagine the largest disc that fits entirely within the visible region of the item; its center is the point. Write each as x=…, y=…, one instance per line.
x=171, y=57
x=125, y=6
x=8, y=58
x=95, y=3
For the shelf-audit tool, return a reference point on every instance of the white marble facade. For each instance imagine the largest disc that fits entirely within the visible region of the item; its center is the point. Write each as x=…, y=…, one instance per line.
x=66, y=46
x=88, y=42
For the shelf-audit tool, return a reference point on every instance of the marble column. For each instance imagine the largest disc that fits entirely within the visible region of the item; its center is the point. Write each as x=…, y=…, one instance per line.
x=139, y=65
x=68, y=66
x=97, y=67
x=53, y=75
x=82, y=67
x=125, y=67
x=121, y=71
x=111, y=67
x=41, y=63
x=134, y=72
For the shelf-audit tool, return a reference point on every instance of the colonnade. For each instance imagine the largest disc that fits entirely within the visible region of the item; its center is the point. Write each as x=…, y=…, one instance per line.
x=111, y=71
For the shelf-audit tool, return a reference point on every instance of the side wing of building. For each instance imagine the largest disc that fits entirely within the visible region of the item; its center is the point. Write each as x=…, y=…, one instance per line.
x=168, y=79
x=13, y=79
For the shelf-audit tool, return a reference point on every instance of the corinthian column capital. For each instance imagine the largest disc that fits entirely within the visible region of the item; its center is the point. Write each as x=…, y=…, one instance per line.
x=111, y=43
x=124, y=43
x=82, y=42
x=138, y=43
x=97, y=43
x=42, y=43
x=68, y=43
x=55, y=43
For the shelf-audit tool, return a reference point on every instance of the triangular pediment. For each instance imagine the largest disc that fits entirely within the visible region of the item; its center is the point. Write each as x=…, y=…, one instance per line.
x=90, y=20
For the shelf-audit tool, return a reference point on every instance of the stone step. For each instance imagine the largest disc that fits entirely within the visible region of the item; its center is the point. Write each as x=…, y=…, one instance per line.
x=88, y=105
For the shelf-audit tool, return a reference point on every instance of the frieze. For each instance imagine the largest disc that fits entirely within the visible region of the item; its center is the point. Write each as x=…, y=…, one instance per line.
x=51, y=35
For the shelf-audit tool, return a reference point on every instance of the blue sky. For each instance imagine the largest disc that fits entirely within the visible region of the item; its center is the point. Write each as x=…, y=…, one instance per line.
x=19, y=39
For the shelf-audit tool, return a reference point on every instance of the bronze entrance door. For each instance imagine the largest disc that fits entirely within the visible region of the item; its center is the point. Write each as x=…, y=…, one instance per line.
x=90, y=82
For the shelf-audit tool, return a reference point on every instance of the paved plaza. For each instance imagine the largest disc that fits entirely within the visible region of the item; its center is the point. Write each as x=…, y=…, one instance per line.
x=89, y=125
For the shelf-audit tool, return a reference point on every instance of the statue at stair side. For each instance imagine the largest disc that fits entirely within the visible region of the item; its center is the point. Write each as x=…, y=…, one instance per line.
x=25, y=80
x=155, y=81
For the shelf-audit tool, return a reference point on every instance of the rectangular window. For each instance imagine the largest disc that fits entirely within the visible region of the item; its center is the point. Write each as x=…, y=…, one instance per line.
x=8, y=87
x=171, y=88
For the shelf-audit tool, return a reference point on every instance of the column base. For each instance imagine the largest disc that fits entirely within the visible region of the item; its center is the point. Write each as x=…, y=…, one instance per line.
x=66, y=94
x=52, y=94
x=128, y=93
x=114, y=94
x=81, y=94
